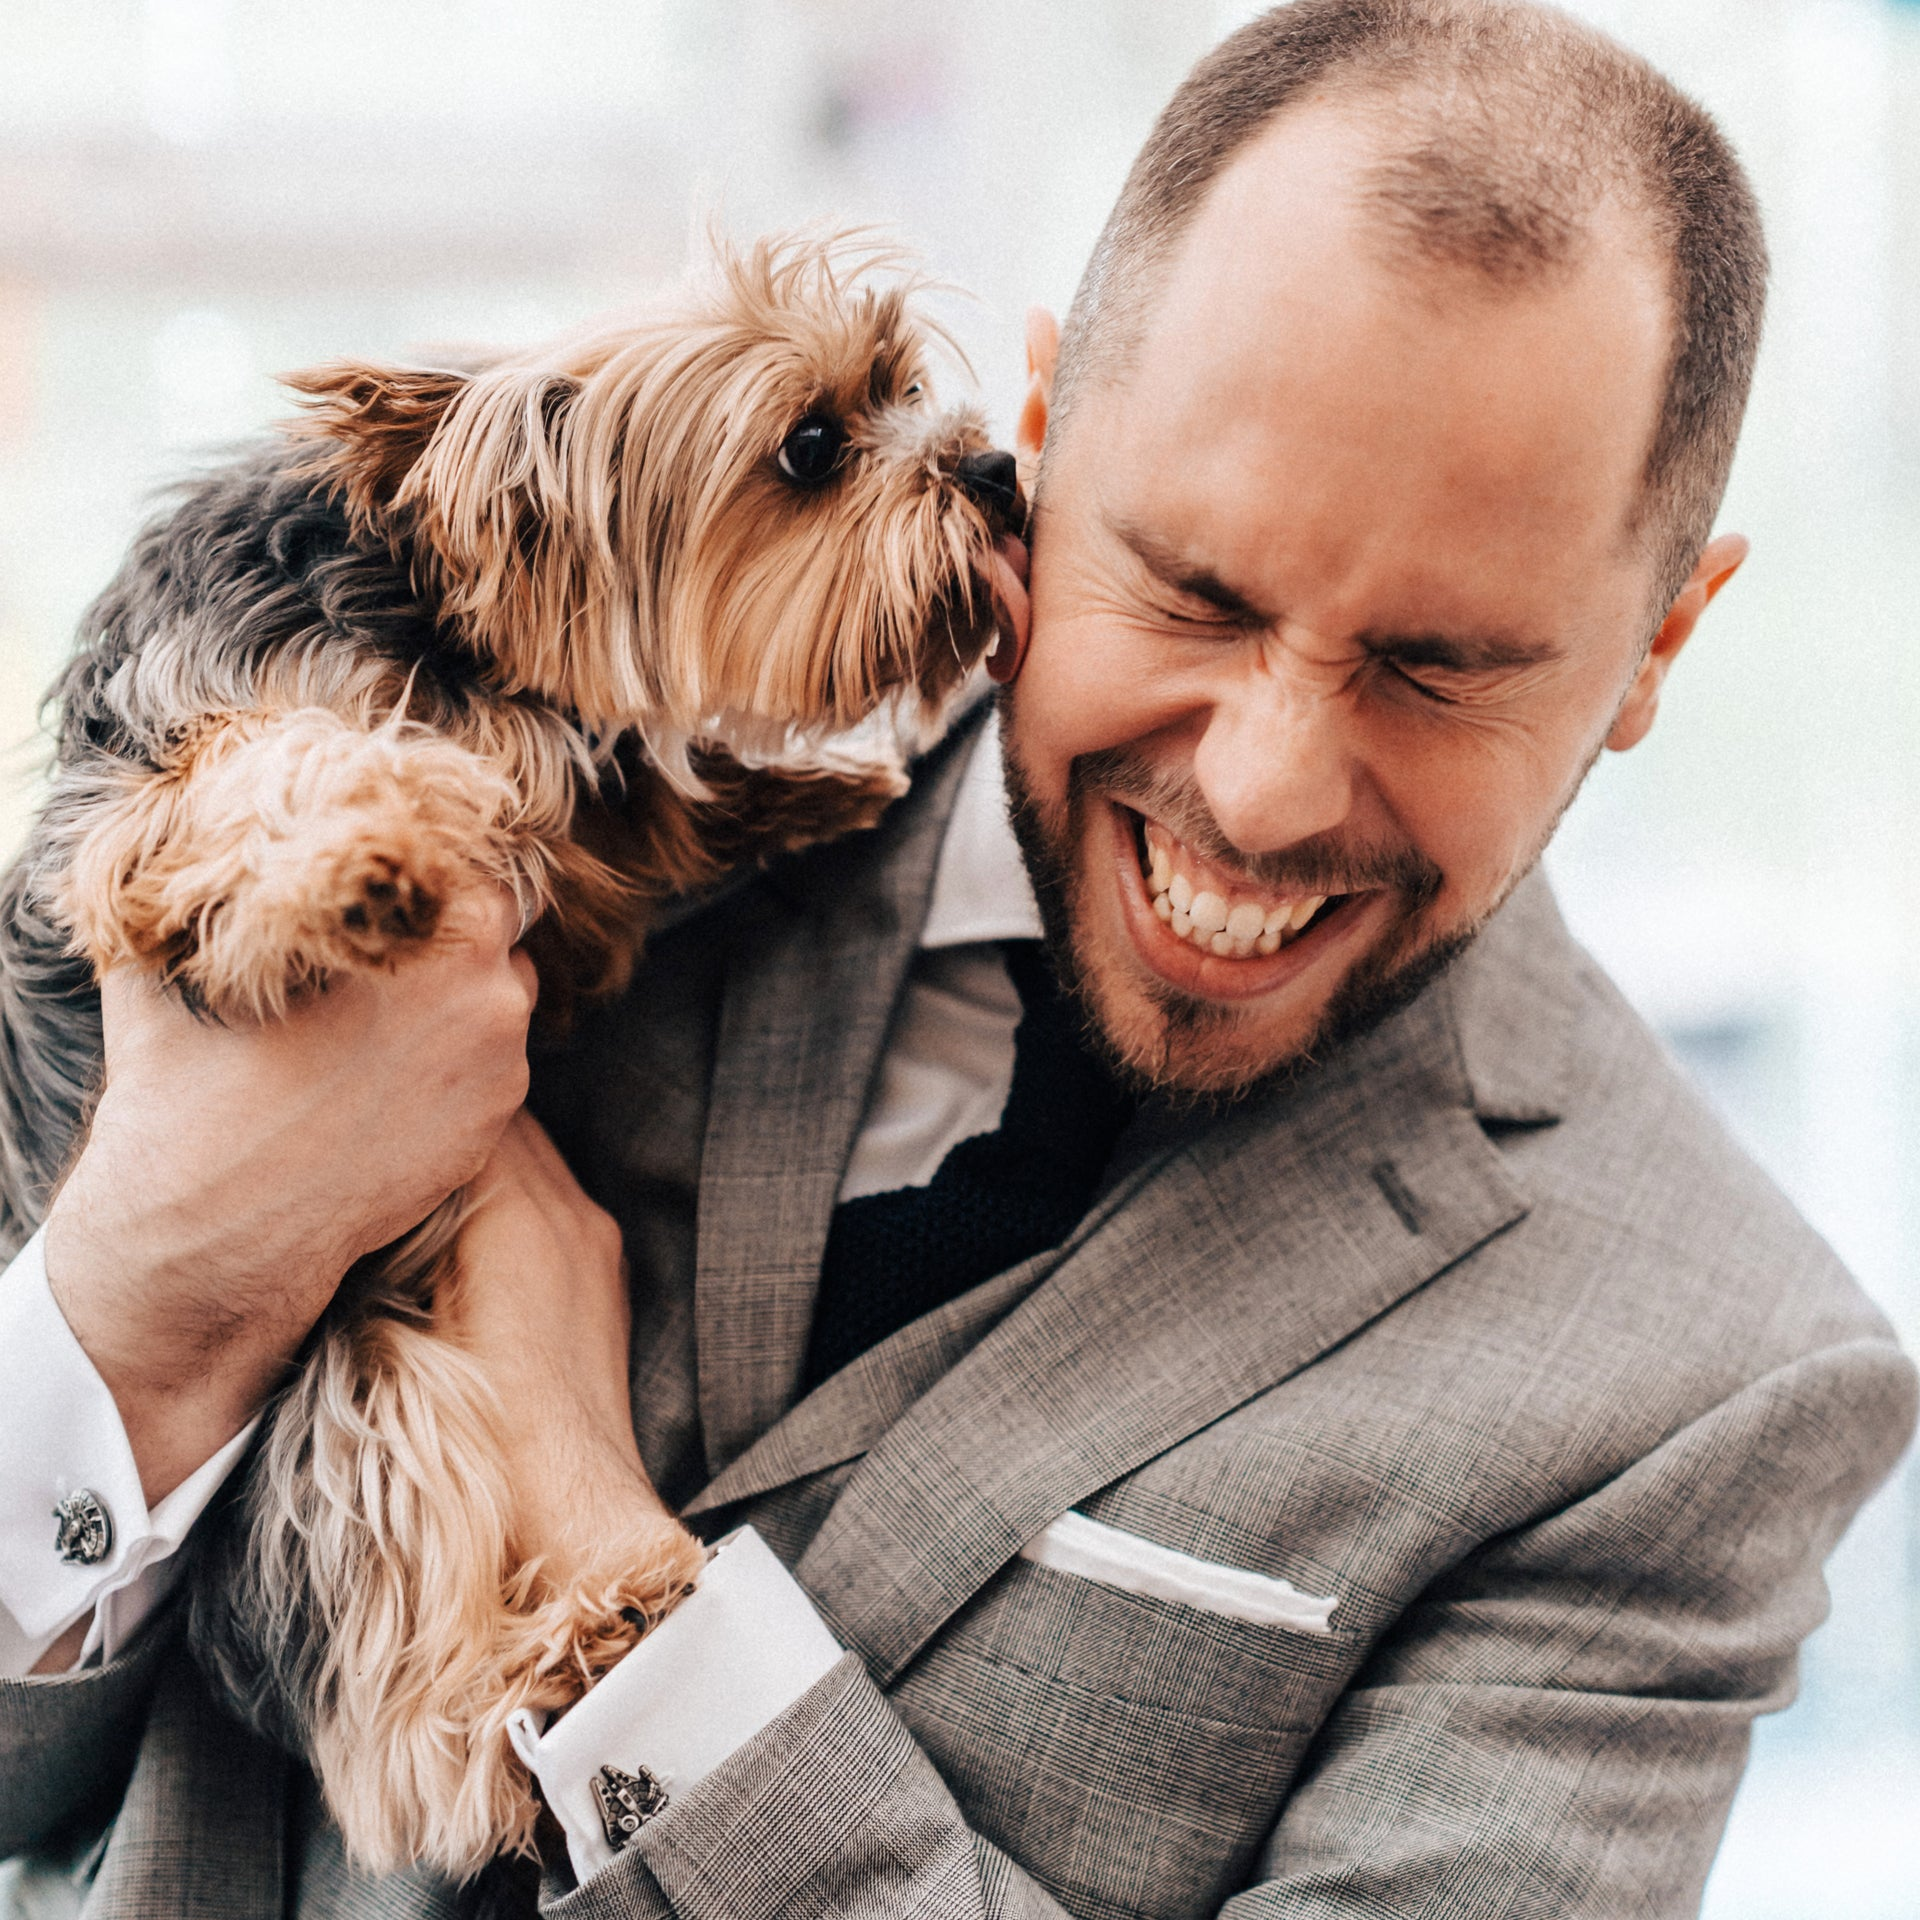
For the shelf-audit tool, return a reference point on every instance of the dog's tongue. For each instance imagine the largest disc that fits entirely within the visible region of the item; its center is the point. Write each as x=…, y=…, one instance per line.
x=1006, y=572
x=1006, y=576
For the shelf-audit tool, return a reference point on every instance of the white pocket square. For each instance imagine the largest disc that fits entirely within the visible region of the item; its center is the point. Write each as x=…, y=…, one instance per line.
x=1074, y=1544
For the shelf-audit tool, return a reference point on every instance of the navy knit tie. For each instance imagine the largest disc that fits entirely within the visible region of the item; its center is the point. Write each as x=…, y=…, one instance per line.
x=995, y=1200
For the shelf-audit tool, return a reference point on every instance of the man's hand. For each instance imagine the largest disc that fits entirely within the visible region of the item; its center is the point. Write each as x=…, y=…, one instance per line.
x=233, y=1175
x=542, y=1306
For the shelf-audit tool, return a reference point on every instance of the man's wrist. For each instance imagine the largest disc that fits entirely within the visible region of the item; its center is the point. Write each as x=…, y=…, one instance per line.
x=183, y=1383
x=592, y=1509
x=85, y=1555
x=61, y=1656
x=578, y=1481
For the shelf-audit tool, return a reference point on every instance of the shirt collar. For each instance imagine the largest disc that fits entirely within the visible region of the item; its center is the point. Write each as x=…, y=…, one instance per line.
x=980, y=887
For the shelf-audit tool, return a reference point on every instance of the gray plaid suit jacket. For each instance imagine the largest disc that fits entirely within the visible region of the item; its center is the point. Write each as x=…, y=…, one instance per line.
x=1483, y=1327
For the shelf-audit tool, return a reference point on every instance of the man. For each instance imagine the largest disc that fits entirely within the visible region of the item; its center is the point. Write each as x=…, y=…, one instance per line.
x=1357, y=1438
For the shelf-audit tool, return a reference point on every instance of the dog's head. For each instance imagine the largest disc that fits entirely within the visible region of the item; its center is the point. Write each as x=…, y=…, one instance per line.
x=741, y=514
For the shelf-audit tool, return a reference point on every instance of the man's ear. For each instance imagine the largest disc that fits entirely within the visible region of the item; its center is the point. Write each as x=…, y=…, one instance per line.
x=1718, y=563
x=1043, y=352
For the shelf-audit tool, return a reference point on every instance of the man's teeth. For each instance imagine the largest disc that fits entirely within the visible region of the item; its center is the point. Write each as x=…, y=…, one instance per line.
x=1236, y=928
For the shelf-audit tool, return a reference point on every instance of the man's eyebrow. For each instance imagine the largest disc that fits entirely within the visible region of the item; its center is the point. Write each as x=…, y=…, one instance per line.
x=1461, y=652
x=1187, y=576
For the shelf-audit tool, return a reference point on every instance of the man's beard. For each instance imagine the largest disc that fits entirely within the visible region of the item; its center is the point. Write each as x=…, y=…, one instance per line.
x=1393, y=971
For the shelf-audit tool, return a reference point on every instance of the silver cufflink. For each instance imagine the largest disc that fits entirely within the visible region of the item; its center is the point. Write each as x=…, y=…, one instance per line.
x=627, y=1802
x=83, y=1534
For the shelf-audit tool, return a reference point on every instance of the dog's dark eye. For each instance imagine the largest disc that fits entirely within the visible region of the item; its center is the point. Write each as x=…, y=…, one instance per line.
x=913, y=392
x=809, y=454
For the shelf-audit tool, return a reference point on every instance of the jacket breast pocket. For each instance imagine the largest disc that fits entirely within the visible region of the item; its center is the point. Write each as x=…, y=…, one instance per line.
x=1154, y=1650
x=1123, y=1747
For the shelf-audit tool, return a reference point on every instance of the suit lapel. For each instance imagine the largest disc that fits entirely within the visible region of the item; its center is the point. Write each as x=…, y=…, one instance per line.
x=1238, y=1258
x=807, y=1003
x=201, y=1832
x=849, y=1413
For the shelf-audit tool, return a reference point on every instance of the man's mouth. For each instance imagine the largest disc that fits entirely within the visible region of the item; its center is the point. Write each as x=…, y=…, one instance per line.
x=1216, y=910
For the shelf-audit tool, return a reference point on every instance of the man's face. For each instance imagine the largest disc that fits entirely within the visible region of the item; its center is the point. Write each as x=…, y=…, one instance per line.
x=1332, y=595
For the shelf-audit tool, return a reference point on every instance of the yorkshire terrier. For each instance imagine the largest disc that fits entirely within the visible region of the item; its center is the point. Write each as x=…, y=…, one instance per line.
x=586, y=621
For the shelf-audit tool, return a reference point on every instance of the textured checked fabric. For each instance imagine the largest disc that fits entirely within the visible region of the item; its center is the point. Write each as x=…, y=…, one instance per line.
x=995, y=1200
x=1483, y=1328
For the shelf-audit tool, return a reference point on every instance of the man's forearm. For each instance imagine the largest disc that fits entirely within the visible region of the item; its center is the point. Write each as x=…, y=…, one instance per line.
x=232, y=1175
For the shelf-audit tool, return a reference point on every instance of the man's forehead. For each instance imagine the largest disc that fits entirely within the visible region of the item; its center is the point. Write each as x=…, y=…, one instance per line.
x=1292, y=231
x=1422, y=174
x=1291, y=387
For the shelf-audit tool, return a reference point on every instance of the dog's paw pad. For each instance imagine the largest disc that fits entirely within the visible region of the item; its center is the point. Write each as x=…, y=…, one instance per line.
x=383, y=906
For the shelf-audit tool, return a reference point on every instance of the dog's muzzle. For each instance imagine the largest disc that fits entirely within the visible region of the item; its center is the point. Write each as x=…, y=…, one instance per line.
x=992, y=482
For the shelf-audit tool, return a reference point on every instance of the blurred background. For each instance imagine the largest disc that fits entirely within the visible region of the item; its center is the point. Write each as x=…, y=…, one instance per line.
x=198, y=194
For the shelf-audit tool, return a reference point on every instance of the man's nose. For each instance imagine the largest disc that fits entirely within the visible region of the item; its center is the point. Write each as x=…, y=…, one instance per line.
x=1277, y=763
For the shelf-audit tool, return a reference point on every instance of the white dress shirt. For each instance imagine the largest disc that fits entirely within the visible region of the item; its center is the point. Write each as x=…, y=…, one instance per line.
x=747, y=1642
x=949, y=1061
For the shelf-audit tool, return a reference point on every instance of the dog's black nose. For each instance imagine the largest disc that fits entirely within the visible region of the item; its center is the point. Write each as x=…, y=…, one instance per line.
x=993, y=483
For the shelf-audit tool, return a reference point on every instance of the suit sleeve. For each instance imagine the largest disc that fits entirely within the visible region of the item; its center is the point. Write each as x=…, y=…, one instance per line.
x=1555, y=1728
x=1558, y=1726
x=830, y=1810
x=68, y=1743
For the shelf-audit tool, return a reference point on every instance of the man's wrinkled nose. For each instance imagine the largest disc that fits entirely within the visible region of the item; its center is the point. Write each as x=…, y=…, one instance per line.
x=1276, y=765
x=991, y=480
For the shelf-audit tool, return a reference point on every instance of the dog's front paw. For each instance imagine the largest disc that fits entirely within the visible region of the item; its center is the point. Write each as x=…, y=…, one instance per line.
x=382, y=905
x=285, y=848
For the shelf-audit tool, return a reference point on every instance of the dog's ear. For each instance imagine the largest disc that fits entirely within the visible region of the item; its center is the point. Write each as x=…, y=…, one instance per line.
x=509, y=512
x=499, y=482
x=368, y=426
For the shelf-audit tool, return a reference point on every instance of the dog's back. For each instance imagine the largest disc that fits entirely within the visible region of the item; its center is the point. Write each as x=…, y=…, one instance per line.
x=250, y=577
x=49, y=1052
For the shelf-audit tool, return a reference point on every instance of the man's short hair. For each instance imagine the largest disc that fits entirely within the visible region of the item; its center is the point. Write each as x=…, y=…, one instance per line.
x=1506, y=126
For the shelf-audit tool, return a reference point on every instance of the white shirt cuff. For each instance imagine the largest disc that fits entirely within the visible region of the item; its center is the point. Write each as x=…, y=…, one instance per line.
x=729, y=1660
x=60, y=1432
